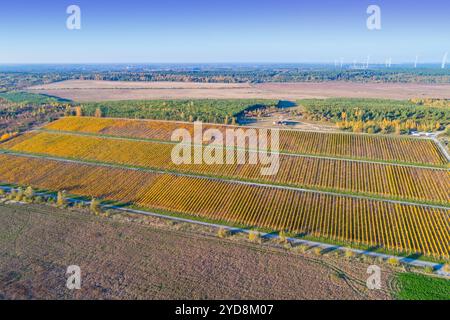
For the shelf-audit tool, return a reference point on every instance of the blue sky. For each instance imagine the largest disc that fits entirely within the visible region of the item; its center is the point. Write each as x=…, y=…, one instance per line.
x=223, y=31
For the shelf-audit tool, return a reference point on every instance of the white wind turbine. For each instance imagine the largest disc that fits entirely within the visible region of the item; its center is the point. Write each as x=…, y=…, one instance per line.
x=444, y=60
x=388, y=62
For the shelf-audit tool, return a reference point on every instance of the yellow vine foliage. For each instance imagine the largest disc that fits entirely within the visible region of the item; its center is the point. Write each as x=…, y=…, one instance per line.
x=412, y=183
x=400, y=227
x=7, y=136
x=371, y=147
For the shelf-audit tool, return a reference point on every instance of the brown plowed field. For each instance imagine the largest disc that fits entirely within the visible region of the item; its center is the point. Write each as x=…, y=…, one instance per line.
x=92, y=90
x=152, y=259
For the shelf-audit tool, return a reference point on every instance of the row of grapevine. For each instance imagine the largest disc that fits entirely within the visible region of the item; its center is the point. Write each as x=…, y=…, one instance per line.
x=412, y=183
x=406, y=228
x=372, y=147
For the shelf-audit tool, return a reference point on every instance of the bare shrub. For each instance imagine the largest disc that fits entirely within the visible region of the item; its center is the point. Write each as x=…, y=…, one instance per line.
x=223, y=233
x=254, y=236
x=29, y=193
x=61, y=199
x=318, y=251
x=349, y=254
x=95, y=206
x=19, y=194
x=429, y=269
x=282, y=237
x=393, y=261
x=301, y=248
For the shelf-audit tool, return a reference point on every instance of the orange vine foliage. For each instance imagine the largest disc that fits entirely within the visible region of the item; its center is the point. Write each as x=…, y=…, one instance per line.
x=401, y=227
x=372, y=147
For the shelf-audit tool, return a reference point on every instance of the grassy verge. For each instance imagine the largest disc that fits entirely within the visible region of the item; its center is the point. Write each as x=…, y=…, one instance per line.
x=420, y=287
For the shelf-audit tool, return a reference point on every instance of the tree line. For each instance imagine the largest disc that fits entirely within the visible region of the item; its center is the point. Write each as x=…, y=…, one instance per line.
x=206, y=110
x=379, y=115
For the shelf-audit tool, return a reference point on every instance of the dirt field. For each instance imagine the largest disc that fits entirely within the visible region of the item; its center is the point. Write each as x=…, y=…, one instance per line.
x=89, y=90
x=125, y=257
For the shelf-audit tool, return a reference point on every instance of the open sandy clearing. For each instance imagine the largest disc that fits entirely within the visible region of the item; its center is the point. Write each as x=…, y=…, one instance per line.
x=91, y=90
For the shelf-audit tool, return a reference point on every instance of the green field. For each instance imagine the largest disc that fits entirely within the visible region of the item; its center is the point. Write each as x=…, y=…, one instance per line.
x=29, y=98
x=420, y=287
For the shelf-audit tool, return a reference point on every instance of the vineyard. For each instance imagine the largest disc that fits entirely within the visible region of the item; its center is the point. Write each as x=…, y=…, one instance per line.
x=401, y=227
x=322, y=188
x=411, y=183
x=343, y=145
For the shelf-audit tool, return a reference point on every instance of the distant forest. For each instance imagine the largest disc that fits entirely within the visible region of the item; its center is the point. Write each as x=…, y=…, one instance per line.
x=14, y=80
